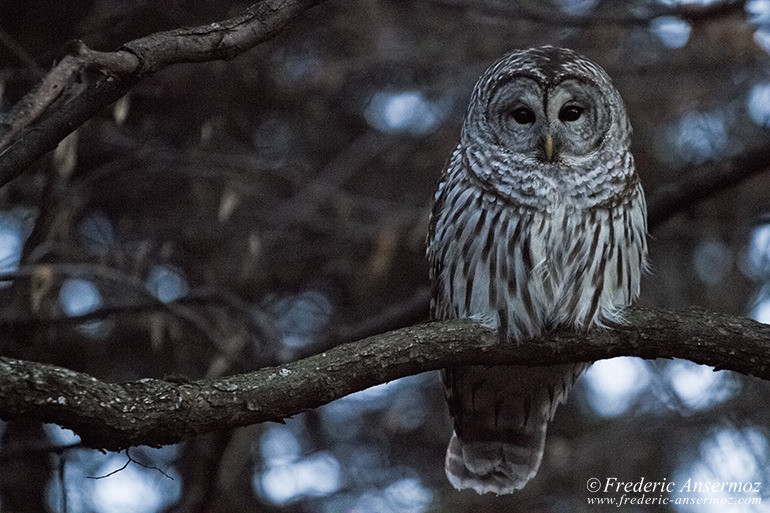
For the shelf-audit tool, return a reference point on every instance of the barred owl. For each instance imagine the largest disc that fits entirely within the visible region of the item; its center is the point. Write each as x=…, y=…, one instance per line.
x=539, y=221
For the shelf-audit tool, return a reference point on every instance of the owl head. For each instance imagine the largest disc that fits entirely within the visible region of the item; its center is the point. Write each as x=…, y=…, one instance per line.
x=546, y=107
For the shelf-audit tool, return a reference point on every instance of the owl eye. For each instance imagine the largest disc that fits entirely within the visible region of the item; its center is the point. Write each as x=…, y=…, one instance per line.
x=523, y=115
x=570, y=113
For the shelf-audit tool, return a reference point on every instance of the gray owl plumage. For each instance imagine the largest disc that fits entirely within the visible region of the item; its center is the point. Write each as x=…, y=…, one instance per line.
x=539, y=221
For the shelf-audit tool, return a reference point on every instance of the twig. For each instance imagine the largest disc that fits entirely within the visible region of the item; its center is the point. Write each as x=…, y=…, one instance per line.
x=130, y=460
x=149, y=467
x=108, y=474
x=129, y=283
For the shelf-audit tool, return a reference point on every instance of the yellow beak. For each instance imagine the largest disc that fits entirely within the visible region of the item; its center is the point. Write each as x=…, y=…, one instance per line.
x=548, y=147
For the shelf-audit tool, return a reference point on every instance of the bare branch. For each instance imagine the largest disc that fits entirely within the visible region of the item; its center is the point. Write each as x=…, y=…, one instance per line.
x=703, y=182
x=31, y=133
x=155, y=412
x=59, y=80
x=522, y=10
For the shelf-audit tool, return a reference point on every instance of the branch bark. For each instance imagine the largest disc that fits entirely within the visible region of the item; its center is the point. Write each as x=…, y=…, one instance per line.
x=156, y=412
x=31, y=133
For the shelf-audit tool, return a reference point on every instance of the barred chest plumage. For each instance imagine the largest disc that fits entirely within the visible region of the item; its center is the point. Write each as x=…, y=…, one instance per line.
x=526, y=269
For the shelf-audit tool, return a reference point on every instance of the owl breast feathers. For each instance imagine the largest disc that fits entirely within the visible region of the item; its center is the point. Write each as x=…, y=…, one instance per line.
x=539, y=221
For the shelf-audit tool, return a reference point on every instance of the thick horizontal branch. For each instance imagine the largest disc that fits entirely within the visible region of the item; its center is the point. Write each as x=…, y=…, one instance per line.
x=156, y=412
x=34, y=131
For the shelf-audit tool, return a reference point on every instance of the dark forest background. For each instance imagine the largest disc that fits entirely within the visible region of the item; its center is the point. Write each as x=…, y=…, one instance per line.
x=230, y=215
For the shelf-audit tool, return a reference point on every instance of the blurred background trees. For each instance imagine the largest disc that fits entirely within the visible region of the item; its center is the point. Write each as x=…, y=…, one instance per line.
x=226, y=216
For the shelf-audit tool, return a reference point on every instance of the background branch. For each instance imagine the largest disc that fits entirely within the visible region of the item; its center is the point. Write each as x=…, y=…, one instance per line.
x=689, y=12
x=703, y=182
x=155, y=412
x=25, y=141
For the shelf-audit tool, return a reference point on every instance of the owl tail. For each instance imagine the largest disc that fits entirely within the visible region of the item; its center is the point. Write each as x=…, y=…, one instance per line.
x=495, y=466
x=501, y=414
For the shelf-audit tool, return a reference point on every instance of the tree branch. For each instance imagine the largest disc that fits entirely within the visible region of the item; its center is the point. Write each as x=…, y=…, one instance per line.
x=551, y=16
x=155, y=412
x=29, y=133
x=703, y=182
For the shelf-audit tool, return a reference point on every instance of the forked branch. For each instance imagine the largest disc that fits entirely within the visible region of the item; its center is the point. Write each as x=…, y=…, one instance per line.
x=29, y=131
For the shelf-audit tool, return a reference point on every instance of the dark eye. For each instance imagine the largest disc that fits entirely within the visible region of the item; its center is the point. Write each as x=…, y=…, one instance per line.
x=570, y=113
x=523, y=115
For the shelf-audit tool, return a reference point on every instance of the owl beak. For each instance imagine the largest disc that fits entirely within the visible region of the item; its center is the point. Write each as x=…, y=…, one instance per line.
x=548, y=148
